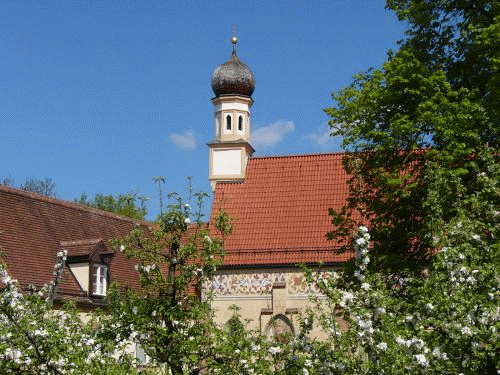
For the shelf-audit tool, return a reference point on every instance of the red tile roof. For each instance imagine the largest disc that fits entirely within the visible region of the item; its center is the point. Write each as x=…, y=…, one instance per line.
x=281, y=210
x=33, y=228
x=82, y=247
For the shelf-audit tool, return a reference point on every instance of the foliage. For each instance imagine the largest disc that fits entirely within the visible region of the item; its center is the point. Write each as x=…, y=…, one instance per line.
x=243, y=351
x=461, y=38
x=160, y=180
x=123, y=204
x=34, y=185
x=446, y=321
x=36, y=338
x=424, y=111
x=166, y=316
x=171, y=315
x=423, y=136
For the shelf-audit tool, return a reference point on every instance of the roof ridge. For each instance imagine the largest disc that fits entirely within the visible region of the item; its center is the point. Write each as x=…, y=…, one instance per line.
x=68, y=204
x=285, y=249
x=299, y=155
x=90, y=241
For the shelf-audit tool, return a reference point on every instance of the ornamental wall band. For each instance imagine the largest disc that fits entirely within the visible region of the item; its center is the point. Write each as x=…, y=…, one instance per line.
x=262, y=282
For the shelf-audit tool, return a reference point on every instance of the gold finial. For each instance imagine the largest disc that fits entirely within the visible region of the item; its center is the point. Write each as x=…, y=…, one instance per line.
x=234, y=40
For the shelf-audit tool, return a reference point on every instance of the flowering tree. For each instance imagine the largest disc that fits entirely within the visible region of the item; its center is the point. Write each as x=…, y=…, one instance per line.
x=425, y=181
x=36, y=338
x=172, y=321
x=431, y=109
x=167, y=317
x=446, y=321
x=239, y=350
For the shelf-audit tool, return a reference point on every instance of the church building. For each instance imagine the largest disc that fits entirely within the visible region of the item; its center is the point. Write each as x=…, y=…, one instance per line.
x=280, y=206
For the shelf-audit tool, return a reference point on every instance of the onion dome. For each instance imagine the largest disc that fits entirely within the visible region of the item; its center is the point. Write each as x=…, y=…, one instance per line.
x=233, y=77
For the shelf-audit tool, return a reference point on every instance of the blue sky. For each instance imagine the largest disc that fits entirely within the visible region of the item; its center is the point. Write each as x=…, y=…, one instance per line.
x=102, y=95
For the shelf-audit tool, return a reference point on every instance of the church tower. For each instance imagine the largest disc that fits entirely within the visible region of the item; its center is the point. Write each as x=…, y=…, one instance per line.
x=233, y=84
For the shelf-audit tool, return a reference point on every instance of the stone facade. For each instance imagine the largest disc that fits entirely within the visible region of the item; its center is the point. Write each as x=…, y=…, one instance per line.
x=273, y=299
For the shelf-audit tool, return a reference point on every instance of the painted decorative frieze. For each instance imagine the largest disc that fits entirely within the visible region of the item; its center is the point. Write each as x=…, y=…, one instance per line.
x=262, y=282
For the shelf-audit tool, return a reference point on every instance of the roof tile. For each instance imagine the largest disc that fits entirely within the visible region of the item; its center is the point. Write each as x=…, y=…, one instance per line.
x=281, y=209
x=33, y=228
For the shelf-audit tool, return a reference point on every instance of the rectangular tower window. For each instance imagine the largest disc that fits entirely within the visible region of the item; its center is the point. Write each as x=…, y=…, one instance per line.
x=228, y=122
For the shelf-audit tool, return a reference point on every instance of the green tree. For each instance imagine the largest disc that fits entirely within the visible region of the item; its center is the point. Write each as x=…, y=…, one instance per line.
x=130, y=205
x=34, y=185
x=171, y=315
x=426, y=110
x=461, y=38
x=168, y=317
x=160, y=180
x=423, y=135
x=446, y=322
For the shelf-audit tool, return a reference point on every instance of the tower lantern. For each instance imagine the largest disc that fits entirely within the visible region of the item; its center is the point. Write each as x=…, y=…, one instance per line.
x=233, y=84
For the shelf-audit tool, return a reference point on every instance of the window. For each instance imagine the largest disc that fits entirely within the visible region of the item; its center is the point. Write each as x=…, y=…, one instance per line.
x=228, y=122
x=100, y=278
x=281, y=328
x=240, y=123
x=217, y=125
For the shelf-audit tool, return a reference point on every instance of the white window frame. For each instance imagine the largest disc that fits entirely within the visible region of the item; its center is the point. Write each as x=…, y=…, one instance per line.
x=100, y=279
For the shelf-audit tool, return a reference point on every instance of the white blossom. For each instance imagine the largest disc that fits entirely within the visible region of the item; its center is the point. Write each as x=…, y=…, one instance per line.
x=466, y=331
x=360, y=241
x=274, y=350
x=380, y=310
x=382, y=346
x=421, y=360
x=359, y=275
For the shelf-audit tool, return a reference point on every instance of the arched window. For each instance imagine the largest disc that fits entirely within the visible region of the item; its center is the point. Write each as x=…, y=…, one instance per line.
x=228, y=122
x=240, y=123
x=281, y=328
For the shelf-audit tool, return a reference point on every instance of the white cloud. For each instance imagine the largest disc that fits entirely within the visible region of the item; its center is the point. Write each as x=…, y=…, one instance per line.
x=268, y=136
x=322, y=138
x=185, y=141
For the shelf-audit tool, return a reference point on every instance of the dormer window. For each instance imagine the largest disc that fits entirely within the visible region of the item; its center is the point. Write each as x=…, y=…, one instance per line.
x=89, y=261
x=100, y=279
x=228, y=122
